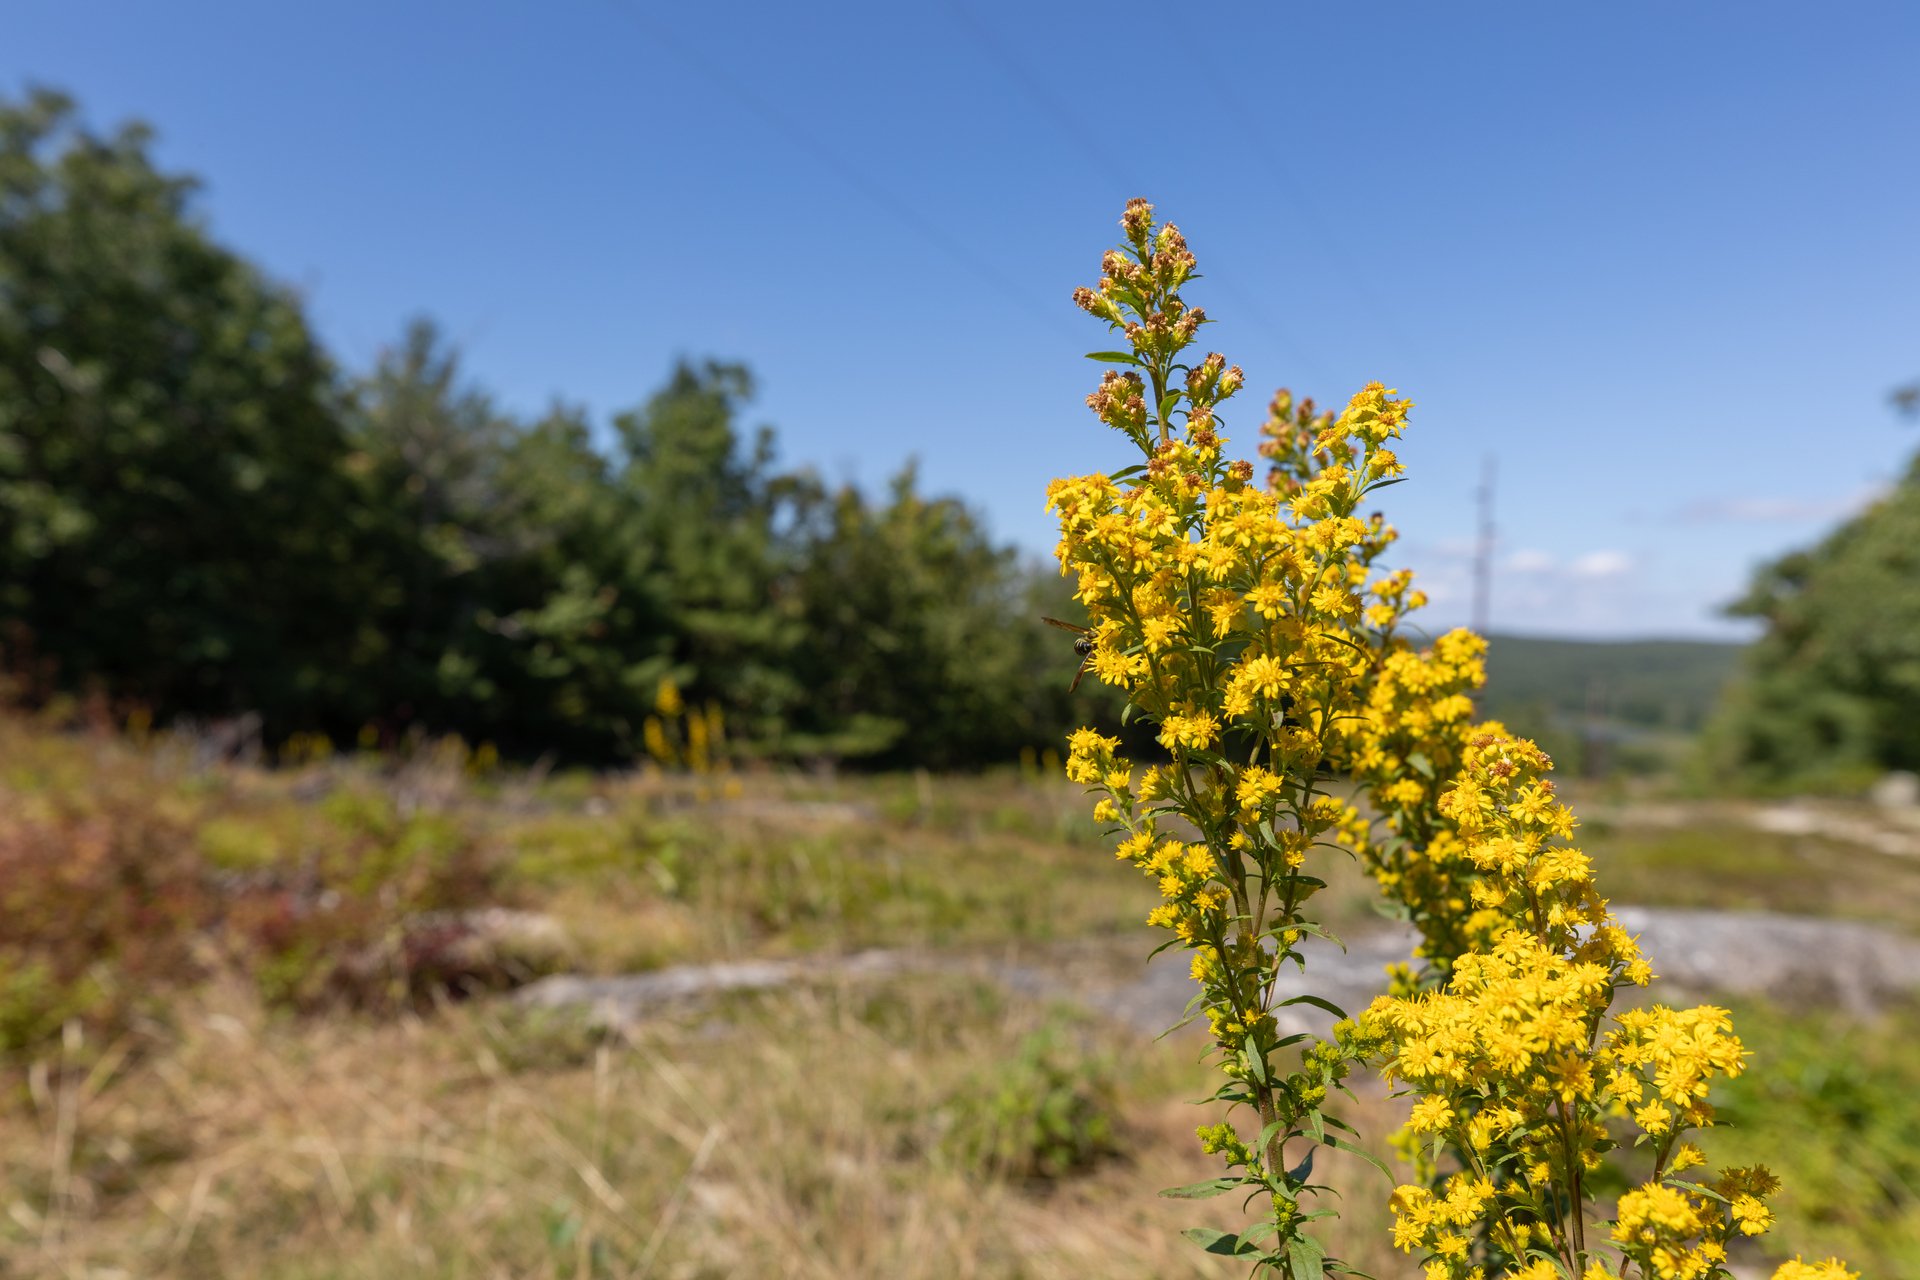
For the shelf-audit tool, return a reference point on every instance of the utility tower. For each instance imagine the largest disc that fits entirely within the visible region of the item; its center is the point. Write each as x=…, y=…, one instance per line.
x=1483, y=549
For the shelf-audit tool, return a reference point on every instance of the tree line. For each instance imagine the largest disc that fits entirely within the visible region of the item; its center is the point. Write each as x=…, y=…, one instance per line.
x=203, y=514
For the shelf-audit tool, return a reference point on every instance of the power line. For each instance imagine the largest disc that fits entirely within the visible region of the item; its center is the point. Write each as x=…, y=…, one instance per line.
x=1110, y=163
x=1483, y=549
x=852, y=175
x=1329, y=243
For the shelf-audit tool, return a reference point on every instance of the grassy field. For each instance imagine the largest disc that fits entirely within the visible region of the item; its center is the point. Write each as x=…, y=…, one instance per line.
x=1653, y=684
x=252, y=1066
x=1608, y=707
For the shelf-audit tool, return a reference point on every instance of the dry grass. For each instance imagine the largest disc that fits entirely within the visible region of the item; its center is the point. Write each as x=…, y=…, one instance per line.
x=802, y=1135
x=830, y=1131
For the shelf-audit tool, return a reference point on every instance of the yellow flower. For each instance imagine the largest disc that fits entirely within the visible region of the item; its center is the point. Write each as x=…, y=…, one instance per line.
x=1831, y=1269
x=1751, y=1214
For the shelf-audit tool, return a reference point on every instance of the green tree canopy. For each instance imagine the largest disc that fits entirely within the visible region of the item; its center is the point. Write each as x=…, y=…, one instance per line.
x=1831, y=691
x=171, y=465
x=199, y=513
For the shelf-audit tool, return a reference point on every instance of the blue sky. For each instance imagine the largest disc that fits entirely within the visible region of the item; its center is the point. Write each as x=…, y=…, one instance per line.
x=1662, y=261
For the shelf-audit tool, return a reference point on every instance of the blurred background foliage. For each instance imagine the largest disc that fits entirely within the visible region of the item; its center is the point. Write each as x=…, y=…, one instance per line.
x=1831, y=692
x=203, y=516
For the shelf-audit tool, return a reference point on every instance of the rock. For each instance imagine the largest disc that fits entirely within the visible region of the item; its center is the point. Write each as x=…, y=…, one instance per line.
x=631, y=998
x=1792, y=959
x=1787, y=820
x=492, y=948
x=1897, y=790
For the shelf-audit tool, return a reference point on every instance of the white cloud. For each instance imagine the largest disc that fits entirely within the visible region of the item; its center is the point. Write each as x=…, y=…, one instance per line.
x=1601, y=564
x=1603, y=593
x=1529, y=560
x=1778, y=510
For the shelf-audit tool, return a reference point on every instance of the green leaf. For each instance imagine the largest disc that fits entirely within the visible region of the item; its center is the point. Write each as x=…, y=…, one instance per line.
x=1114, y=357
x=1304, y=1170
x=1391, y=908
x=1223, y=1242
x=1178, y=1026
x=1203, y=1190
x=1256, y=1062
x=1364, y=1154
x=1316, y=1001
x=1308, y=1258
x=1419, y=763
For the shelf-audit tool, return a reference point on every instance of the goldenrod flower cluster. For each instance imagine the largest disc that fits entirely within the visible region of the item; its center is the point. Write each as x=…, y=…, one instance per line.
x=1525, y=1076
x=1412, y=739
x=1248, y=624
x=683, y=737
x=1255, y=630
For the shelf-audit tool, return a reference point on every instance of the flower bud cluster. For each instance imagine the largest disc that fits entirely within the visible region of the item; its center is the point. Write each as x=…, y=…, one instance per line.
x=1246, y=625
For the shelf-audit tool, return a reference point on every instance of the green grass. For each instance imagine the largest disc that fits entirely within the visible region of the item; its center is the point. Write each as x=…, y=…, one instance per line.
x=919, y=1126
x=1833, y=1107
x=1718, y=864
x=1653, y=684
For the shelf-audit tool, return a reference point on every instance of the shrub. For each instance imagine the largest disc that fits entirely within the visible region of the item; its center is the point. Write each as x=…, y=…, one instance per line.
x=1047, y=1112
x=117, y=891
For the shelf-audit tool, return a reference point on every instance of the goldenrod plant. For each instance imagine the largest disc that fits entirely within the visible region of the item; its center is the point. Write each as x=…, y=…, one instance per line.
x=1256, y=628
x=679, y=737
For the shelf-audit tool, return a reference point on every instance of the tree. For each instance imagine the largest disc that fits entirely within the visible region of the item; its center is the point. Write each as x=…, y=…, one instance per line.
x=172, y=473
x=198, y=513
x=709, y=538
x=923, y=640
x=1831, y=690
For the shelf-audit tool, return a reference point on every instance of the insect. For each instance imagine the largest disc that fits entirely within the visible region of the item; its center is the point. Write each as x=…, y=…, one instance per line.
x=1082, y=645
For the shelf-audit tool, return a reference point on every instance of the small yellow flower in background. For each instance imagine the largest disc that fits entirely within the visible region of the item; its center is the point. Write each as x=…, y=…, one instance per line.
x=1831, y=1269
x=666, y=698
x=654, y=735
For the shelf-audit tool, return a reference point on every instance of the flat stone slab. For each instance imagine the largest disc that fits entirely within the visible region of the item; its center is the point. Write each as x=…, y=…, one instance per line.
x=634, y=997
x=1793, y=959
x=1796, y=960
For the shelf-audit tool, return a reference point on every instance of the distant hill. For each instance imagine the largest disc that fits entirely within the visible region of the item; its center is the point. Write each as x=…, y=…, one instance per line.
x=1662, y=685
